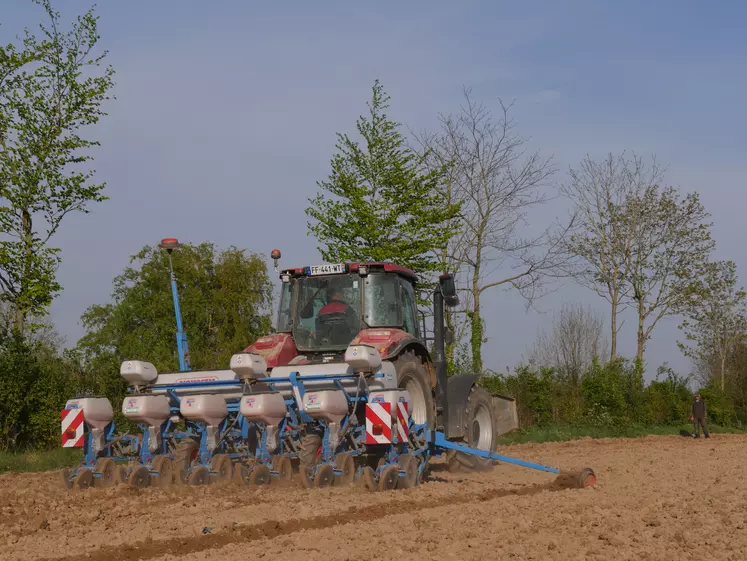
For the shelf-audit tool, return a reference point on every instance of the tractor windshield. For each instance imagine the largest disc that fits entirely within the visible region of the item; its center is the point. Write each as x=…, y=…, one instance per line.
x=327, y=312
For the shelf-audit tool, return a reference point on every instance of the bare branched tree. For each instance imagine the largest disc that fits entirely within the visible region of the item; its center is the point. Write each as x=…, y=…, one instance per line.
x=602, y=236
x=575, y=340
x=498, y=183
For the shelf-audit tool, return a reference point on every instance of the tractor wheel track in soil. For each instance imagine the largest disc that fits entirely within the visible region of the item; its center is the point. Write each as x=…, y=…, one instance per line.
x=178, y=546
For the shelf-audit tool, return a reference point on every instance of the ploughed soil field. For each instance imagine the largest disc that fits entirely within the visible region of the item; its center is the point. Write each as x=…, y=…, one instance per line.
x=656, y=498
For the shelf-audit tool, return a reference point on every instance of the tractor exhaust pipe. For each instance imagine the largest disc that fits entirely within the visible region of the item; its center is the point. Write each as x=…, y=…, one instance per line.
x=445, y=293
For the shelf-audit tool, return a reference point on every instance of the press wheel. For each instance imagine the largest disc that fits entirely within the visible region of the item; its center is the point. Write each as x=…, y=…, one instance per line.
x=108, y=470
x=164, y=466
x=389, y=477
x=198, y=476
x=282, y=465
x=409, y=464
x=346, y=464
x=66, y=478
x=139, y=477
x=221, y=464
x=241, y=474
x=325, y=476
x=84, y=479
x=260, y=475
x=369, y=478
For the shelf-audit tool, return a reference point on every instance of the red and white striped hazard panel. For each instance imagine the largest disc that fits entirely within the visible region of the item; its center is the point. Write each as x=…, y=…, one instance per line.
x=72, y=428
x=379, y=423
x=402, y=422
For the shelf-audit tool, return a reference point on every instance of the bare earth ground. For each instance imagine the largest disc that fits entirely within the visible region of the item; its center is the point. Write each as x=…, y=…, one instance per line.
x=656, y=498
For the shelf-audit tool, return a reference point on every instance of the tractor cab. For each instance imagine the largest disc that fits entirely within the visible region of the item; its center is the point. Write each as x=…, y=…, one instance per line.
x=326, y=307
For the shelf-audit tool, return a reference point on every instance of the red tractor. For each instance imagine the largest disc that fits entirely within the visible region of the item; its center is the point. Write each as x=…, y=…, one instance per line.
x=324, y=309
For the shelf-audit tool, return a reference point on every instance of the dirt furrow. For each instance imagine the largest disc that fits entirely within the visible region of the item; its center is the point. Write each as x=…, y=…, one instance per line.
x=149, y=549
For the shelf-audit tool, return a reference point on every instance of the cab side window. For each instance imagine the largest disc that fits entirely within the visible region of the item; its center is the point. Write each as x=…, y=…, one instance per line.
x=409, y=308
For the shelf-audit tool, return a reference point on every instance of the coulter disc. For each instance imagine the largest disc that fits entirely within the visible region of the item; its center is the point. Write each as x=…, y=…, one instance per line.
x=84, y=479
x=325, y=476
x=139, y=477
x=346, y=464
x=260, y=475
x=108, y=470
x=199, y=476
x=409, y=464
x=389, y=478
x=66, y=478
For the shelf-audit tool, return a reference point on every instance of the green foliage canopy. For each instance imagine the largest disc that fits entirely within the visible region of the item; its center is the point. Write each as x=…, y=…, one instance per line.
x=225, y=299
x=385, y=204
x=50, y=89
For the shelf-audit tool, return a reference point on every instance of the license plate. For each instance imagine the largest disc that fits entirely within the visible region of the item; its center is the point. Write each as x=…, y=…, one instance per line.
x=326, y=269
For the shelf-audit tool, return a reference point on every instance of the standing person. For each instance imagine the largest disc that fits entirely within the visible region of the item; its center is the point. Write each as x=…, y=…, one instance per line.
x=698, y=416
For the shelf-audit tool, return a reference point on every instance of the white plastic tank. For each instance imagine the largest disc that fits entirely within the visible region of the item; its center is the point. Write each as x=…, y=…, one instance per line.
x=327, y=405
x=363, y=358
x=392, y=397
x=138, y=372
x=97, y=411
x=248, y=365
x=268, y=408
x=152, y=410
x=207, y=408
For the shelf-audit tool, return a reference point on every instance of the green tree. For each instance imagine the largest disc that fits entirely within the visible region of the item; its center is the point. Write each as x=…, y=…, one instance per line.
x=50, y=89
x=385, y=205
x=671, y=244
x=225, y=300
x=715, y=311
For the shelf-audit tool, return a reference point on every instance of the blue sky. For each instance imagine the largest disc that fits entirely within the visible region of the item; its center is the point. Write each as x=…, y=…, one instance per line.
x=227, y=113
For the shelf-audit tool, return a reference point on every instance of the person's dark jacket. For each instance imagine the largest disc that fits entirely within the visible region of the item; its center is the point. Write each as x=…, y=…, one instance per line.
x=699, y=409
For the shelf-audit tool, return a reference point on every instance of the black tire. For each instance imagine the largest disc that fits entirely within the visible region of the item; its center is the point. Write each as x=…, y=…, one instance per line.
x=413, y=376
x=480, y=422
x=307, y=456
x=183, y=458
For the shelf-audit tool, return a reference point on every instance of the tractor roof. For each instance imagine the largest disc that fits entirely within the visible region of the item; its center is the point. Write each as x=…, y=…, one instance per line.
x=344, y=268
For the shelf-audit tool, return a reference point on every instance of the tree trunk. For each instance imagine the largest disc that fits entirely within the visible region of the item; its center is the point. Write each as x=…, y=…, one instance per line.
x=641, y=333
x=28, y=240
x=613, y=316
x=723, y=370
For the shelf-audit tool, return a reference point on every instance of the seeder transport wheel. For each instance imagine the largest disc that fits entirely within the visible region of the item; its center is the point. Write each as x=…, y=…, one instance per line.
x=409, y=464
x=282, y=465
x=199, y=476
x=66, y=478
x=165, y=468
x=346, y=464
x=325, y=476
x=222, y=465
x=84, y=479
x=139, y=477
x=108, y=470
x=389, y=477
x=260, y=475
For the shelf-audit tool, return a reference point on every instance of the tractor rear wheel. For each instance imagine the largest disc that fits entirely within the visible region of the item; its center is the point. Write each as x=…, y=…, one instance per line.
x=480, y=423
x=413, y=376
x=308, y=456
x=186, y=452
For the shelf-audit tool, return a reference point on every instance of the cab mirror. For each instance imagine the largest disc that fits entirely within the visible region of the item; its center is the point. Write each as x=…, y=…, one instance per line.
x=448, y=290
